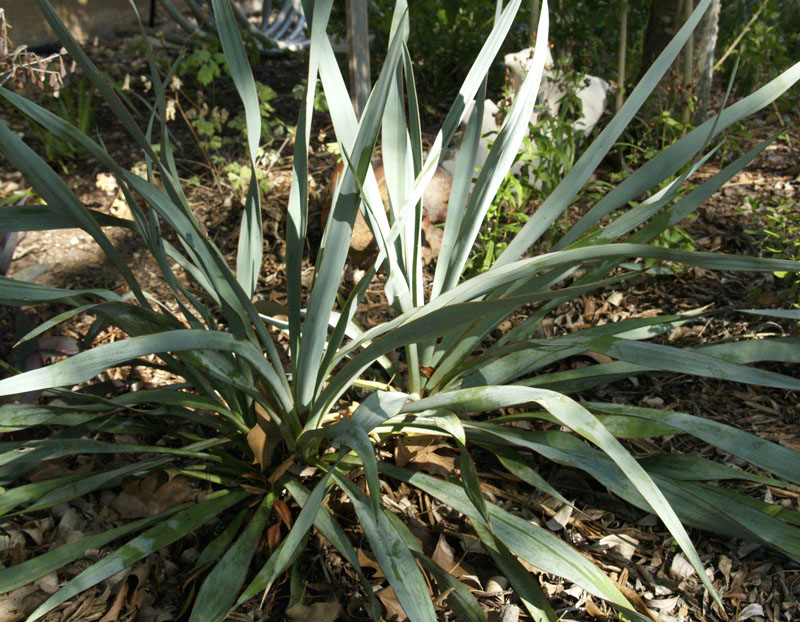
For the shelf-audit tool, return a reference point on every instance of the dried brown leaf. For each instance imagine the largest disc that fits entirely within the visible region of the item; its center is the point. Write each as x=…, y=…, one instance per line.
x=593, y=610
x=284, y=512
x=424, y=452
x=274, y=536
x=142, y=498
x=16, y=605
x=263, y=438
x=444, y=558
x=365, y=560
x=318, y=612
x=394, y=612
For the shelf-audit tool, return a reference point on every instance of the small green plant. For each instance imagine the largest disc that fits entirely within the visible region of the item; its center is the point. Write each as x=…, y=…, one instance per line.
x=320, y=101
x=778, y=236
x=763, y=34
x=204, y=63
x=548, y=152
x=650, y=135
x=282, y=406
x=76, y=102
x=217, y=132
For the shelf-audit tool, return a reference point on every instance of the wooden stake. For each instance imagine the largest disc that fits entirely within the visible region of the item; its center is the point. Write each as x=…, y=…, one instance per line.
x=623, y=51
x=358, y=53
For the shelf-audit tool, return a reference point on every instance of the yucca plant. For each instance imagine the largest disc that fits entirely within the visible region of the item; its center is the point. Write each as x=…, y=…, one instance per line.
x=260, y=417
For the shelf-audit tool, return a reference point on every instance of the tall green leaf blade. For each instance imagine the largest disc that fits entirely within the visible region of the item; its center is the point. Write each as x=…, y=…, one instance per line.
x=680, y=152
x=346, y=125
x=518, y=467
x=561, y=197
x=248, y=260
x=502, y=154
x=332, y=531
x=459, y=193
x=241, y=73
x=289, y=550
x=782, y=461
x=211, y=269
x=13, y=292
x=215, y=549
x=523, y=582
x=535, y=545
x=690, y=467
x=42, y=218
x=14, y=497
x=90, y=482
x=393, y=556
x=60, y=198
x=576, y=417
x=666, y=358
x=297, y=212
x=86, y=365
x=460, y=599
x=696, y=507
x=353, y=432
x=347, y=432
x=99, y=82
x=338, y=233
x=477, y=74
x=221, y=587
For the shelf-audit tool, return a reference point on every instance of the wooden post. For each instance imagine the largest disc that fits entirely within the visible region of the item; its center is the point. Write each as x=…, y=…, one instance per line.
x=623, y=50
x=358, y=53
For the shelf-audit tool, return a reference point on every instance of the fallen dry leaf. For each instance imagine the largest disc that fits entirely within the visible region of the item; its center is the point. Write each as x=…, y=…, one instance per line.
x=444, y=558
x=752, y=610
x=284, y=512
x=423, y=453
x=633, y=596
x=366, y=561
x=16, y=605
x=142, y=498
x=497, y=584
x=593, y=610
x=510, y=613
x=561, y=518
x=263, y=438
x=680, y=568
x=394, y=612
x=131, y=595
x=624, y=545
x=274, y=536
x=318, y=612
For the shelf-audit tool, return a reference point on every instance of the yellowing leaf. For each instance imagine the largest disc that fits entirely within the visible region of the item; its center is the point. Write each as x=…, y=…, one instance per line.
x=261, y=443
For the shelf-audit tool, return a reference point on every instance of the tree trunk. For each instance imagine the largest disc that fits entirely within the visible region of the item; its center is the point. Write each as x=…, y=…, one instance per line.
x=705, y=42
x=662, y=25
x=665, y=20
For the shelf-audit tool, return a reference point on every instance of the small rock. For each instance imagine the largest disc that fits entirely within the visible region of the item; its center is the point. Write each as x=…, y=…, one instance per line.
x=497, y=584
x=510, y=613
